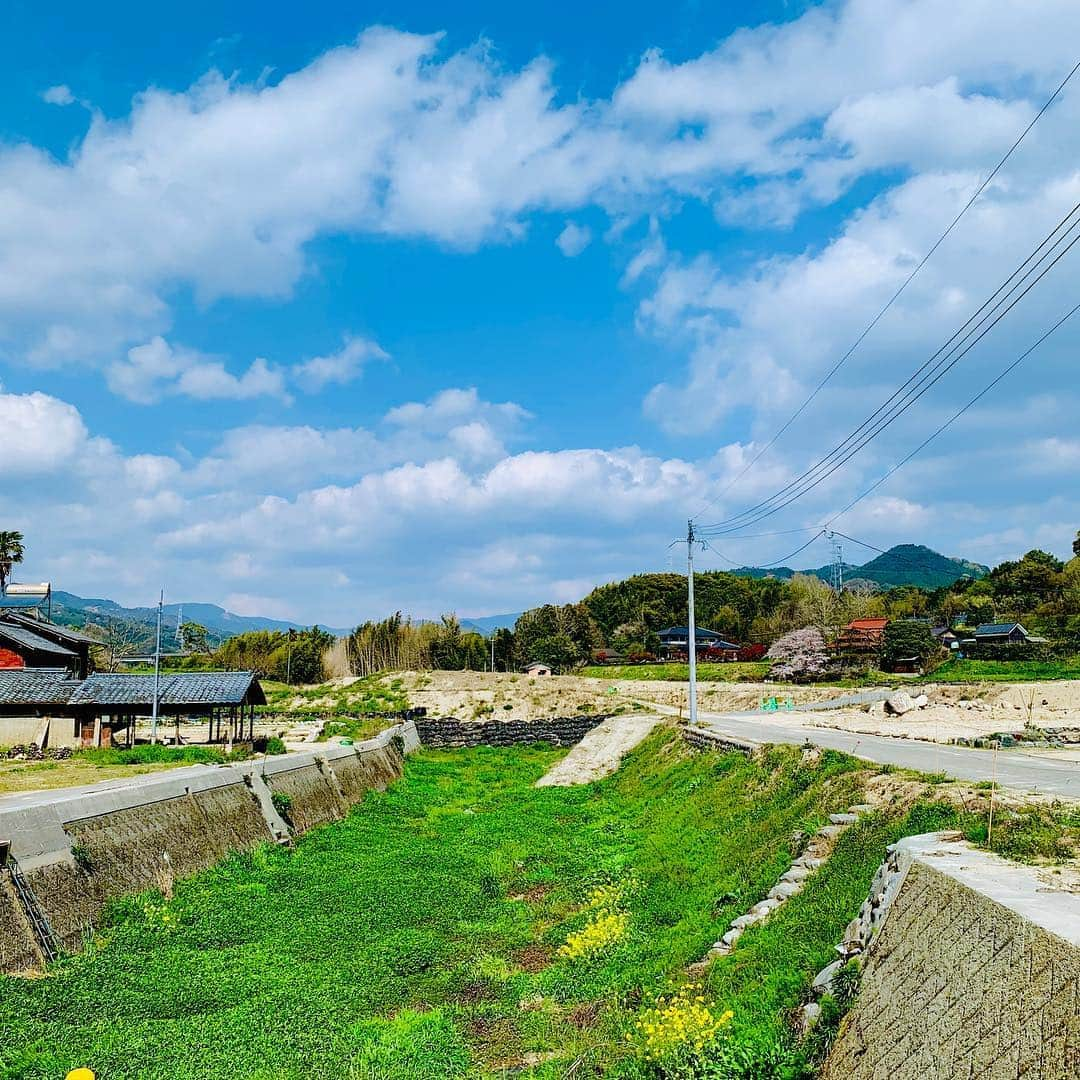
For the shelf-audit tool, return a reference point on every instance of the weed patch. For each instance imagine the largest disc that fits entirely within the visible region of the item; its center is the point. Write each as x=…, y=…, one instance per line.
x=420, y=937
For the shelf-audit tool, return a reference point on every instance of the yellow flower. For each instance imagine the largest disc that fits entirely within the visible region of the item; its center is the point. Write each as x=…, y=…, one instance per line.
x=679, y=1025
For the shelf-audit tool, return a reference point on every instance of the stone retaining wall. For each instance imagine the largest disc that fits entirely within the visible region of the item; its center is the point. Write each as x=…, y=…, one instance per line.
x=451, y=732
x=706, y=739
x=79, y=848
x=974, y=972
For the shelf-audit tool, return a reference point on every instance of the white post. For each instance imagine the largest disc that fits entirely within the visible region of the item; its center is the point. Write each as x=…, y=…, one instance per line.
x=157, y=670
x=691, y=637
x=492, y=652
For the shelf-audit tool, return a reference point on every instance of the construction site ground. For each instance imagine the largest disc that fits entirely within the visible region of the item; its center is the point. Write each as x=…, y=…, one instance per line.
x=953, y=712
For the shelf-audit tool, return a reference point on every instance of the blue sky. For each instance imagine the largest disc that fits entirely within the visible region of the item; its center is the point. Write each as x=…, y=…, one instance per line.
x=468, y=307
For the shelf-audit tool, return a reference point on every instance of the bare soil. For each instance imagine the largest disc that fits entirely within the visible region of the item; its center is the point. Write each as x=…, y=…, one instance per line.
x=954, y=711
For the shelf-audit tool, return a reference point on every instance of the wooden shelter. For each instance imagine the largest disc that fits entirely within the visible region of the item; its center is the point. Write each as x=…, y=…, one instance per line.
x=104, y=705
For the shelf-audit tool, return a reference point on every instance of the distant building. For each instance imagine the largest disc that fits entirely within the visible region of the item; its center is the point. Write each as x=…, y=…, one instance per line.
x=1003, y=633
x=862, y=635
x=39, y=643
x=674, y=643
x=537, y=669
x=946, y=636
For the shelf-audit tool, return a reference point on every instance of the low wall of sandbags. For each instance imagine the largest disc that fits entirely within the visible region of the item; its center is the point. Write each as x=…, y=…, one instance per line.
x=559, y=730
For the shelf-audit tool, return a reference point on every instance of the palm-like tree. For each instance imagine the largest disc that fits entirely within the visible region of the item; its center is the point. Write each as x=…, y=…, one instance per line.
x=11, y=552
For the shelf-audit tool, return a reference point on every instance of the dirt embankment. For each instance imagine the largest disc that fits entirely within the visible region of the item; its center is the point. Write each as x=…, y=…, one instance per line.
x=954, y=711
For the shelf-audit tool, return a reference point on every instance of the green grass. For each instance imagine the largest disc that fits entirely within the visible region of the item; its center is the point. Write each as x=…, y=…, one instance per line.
x=753, y=671
x=153, y=755
x=417, y=938
x=969, y=671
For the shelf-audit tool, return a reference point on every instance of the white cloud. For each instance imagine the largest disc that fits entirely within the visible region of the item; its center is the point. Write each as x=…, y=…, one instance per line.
x=157, y=370
x=574, y=239
x=58, y=95
x=341, y=367
x=38, y=433
x=221, y=187
x=288, y=540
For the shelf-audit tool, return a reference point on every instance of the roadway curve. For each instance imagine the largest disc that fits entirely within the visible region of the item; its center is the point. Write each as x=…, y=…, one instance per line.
x=1016, y=769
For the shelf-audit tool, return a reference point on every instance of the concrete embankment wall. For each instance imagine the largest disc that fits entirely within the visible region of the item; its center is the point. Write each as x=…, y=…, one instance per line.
x=451, y=732
x=79, y=848
x=973, y=972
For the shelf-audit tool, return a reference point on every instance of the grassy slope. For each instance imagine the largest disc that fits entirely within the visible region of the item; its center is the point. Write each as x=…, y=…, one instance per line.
x=90, y=766
x=952, y=671
x=971, y=671
x=396, y=943
x=749, y=672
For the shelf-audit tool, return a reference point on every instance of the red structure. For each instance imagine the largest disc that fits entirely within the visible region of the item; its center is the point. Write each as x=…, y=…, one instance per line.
x=9, y=659
x=862, y=634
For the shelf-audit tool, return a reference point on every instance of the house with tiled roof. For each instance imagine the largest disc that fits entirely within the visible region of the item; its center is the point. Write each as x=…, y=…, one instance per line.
x=861, y=635
x=1004, y=633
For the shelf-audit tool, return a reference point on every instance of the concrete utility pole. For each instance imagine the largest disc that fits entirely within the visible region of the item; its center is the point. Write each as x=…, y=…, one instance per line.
x=493, y=632
x=157, y=669
x=691, y=636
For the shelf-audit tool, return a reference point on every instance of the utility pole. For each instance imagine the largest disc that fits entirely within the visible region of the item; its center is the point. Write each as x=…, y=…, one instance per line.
x=837, y=575
x=288, y=658
x=691, y=636
x=493, y=652
x=157, y=669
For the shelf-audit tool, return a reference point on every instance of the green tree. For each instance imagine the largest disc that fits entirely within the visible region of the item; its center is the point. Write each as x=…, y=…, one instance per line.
x=1076, y=544
x=11, y=553
x=906, y=639
x=504, y=649
x=560, y=636
x=196, y=637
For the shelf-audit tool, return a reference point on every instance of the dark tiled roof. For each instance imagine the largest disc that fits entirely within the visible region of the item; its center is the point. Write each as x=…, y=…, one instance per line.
x=20, y=635
x=185, y=688
x=41, y=626
x=36, y=687
x=683, y=631
x=994, y=628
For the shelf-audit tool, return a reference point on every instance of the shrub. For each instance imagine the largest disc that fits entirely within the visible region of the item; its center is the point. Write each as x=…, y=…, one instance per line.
x=750, y=653
x=275, y=746
x=83, y=859
x=153, y=754
x=282, y=803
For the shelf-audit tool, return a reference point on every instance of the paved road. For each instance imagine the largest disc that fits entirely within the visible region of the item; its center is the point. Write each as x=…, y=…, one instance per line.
x=1016, y=769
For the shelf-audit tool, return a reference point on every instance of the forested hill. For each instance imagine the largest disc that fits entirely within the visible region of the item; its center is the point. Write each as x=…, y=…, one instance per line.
x=905, y=564
x=77, y=611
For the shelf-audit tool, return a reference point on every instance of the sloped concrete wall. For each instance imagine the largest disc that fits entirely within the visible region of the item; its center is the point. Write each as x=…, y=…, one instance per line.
x=79, y=848
x=18, y=950
x=974, y=973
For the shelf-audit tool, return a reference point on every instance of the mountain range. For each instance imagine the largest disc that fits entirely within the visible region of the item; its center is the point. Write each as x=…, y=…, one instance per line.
x=905, y=564
x=71, y=610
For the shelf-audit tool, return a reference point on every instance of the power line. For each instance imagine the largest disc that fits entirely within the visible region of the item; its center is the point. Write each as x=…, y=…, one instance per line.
x=895, y=296
x=925, y=377
x=774, y=562
x=937, y=360
x=959, y=412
